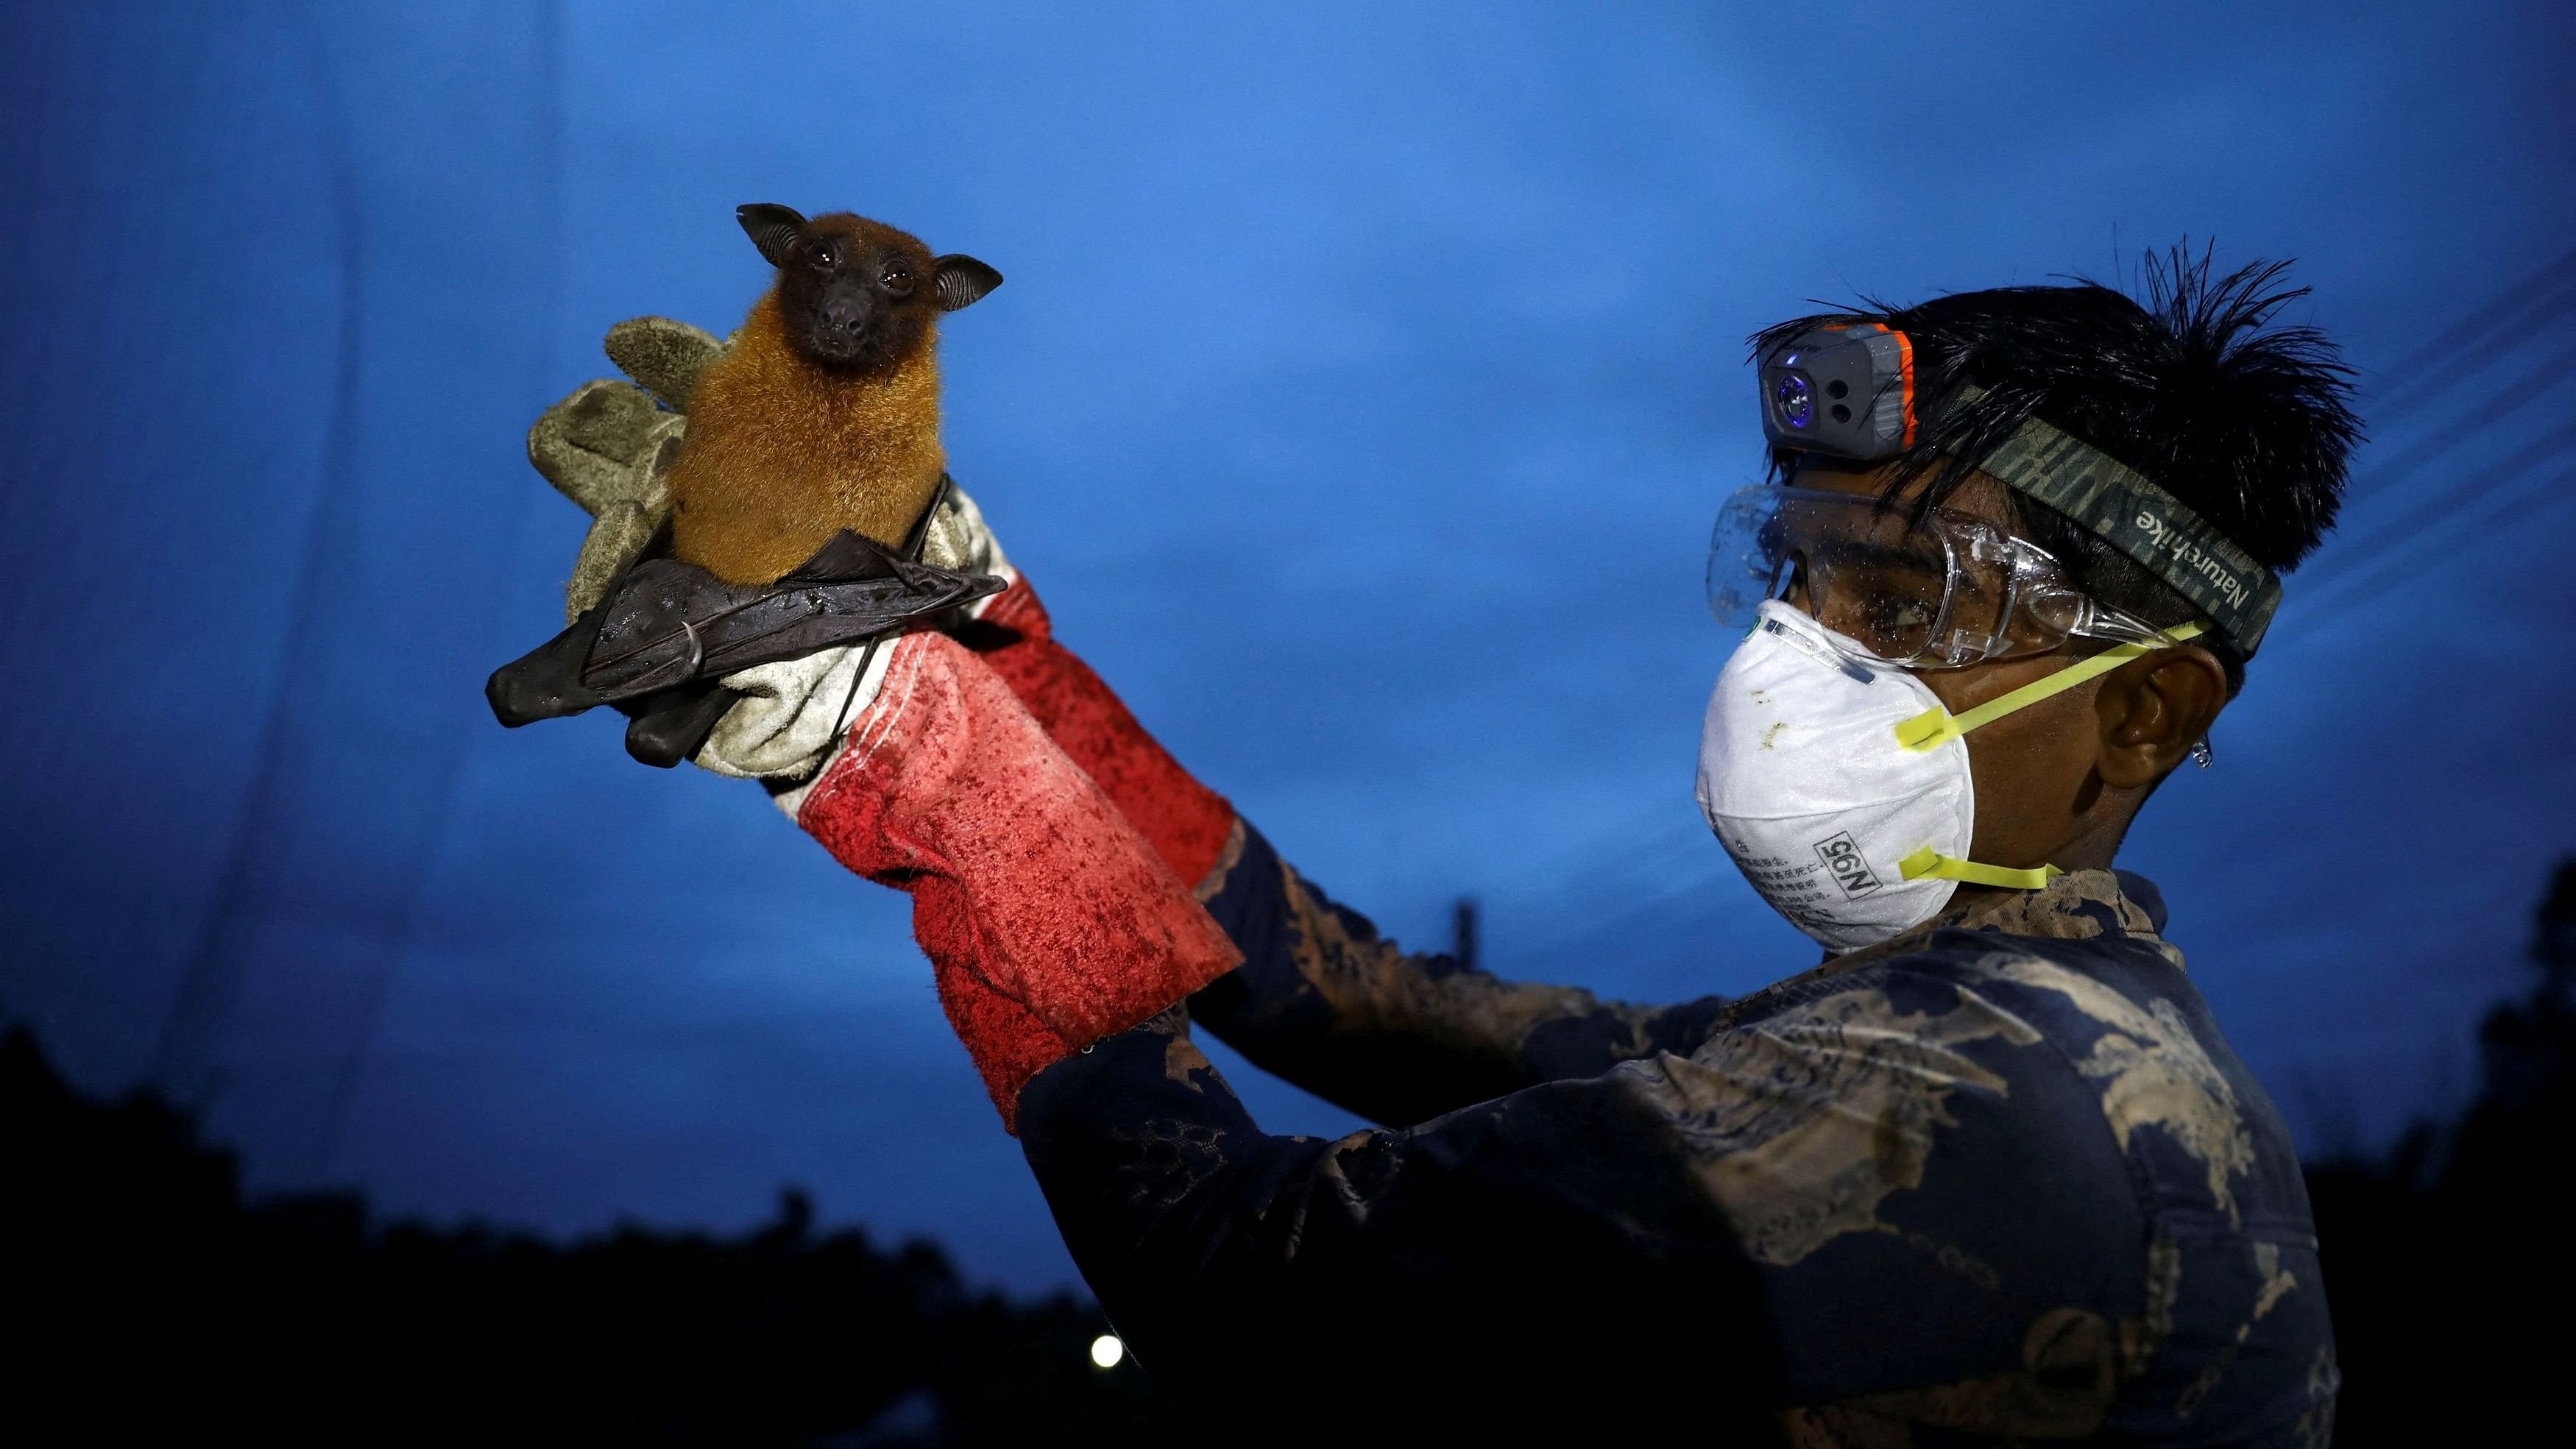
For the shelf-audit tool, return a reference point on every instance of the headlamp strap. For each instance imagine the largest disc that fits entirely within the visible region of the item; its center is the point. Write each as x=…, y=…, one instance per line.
x=2128, y=511
x=1936, y=726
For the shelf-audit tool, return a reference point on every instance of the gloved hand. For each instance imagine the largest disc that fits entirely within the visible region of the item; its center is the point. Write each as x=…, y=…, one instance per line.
x=1189, y=825
x=795, y=710
x=1049, y=921
x=609, y=447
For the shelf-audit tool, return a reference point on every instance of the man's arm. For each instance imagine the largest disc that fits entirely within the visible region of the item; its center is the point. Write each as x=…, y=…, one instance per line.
x=1833, y=1206
x=1382, y=1287
x=1323, y=1001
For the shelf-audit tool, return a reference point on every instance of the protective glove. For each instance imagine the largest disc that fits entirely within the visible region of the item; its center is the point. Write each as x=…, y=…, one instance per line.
x=1189, y=825
x=1050, y=923
x=609, y=448
x=793, y=711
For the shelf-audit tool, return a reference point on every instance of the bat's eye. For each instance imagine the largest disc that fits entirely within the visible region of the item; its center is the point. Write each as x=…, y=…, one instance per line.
x=822, y=255
x=897, y=277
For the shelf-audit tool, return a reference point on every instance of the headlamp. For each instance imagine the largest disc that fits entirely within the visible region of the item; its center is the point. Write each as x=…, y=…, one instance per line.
x=1843, y=390
x=1847, y=391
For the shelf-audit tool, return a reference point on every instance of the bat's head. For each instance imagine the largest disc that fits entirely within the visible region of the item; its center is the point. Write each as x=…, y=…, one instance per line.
x=857, y=295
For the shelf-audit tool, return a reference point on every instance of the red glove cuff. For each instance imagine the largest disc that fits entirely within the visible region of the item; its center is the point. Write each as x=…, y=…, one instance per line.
x=1050, y=921
x=1187, y=823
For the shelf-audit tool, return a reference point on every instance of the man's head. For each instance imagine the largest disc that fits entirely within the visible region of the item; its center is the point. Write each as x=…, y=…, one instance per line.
x=2244, y=424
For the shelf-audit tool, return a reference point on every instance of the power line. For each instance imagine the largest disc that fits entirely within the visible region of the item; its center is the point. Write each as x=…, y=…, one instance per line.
x=2430, y=529
x=2407, y=535
x=2507, y=305
x=547, y=61
x=2530, y=325
x=183, y=1057
x=2404, y=533
x=2436, y=441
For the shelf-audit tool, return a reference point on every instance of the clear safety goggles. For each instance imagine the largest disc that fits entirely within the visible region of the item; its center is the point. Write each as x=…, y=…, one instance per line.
x=1944, y=591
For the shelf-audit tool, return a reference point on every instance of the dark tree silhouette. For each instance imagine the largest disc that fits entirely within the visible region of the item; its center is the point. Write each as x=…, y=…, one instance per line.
x=2447, y=1260
x=149, y=1299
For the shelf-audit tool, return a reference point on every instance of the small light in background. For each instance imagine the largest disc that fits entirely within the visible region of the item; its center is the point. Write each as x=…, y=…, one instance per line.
x=1106, y=1350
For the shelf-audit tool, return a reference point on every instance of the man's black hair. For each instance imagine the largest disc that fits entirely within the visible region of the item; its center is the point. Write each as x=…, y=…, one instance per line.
x=2249, y=425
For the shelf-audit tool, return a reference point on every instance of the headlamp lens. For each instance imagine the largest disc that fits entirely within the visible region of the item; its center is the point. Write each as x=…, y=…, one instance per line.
x=1795, y=400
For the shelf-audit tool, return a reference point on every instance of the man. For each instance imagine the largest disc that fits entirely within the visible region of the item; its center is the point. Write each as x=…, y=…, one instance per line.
x=1988, y=1172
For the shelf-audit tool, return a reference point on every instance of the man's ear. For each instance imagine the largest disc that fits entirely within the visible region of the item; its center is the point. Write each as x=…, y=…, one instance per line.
x=772, y=228
x=963, y=281
x=2153, y=709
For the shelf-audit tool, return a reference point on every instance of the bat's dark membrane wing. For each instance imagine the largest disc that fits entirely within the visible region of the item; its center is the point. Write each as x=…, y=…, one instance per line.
x=545, y=683
x=665, y=624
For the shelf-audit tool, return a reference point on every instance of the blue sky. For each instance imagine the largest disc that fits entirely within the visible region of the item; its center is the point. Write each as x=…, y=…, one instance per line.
x=1363, y=387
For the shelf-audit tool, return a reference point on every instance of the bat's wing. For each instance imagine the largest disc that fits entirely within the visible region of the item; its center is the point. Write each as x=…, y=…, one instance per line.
x=545, y=683
x=665, y=624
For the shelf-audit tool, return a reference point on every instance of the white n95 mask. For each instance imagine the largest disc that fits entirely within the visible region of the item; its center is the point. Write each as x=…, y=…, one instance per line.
x=1801, y=778
x=1841, y=787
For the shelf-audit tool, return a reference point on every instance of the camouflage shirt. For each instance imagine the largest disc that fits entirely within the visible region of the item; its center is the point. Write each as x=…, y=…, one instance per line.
x=1999, y=1179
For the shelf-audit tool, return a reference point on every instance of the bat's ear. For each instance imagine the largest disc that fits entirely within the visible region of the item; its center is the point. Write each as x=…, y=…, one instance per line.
x=772, y=228
x=963, y=281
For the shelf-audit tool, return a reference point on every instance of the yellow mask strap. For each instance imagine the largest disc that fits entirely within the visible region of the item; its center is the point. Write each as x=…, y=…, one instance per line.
x=1936, y=725
x=1928, y=862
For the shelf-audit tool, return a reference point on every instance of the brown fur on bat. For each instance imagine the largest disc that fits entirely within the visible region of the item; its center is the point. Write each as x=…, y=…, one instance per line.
x=824, y=413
